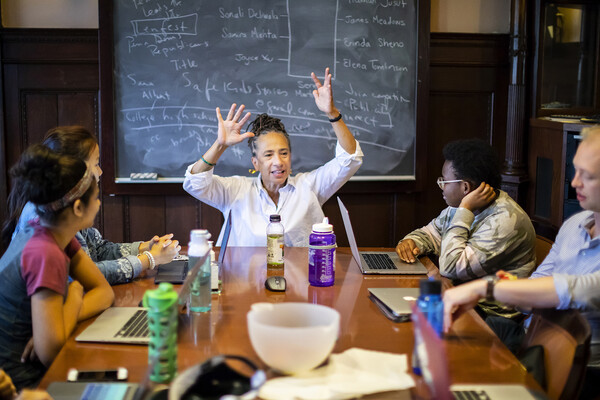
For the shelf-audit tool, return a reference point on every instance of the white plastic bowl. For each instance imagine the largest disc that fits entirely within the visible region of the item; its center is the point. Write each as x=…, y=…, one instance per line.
x=293, y=337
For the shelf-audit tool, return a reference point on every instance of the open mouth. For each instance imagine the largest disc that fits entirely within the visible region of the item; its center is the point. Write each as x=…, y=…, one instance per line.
x=278, y=173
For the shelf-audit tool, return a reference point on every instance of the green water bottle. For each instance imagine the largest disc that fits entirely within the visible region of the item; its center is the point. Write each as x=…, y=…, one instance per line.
x=162, y=323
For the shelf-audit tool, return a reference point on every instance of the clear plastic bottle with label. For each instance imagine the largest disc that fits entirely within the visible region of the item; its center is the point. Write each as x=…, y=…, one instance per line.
x=321, y=254
x=200, y=292
x=275, y=243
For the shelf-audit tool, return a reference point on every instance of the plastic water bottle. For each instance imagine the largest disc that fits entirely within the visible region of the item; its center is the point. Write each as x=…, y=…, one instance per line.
x=162, y=323
x=321, y=254
x=275, y=243
x=200, y=292
x=431, y=306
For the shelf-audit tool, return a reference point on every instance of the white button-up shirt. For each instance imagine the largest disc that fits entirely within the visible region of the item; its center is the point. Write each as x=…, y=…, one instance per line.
x=299, y=205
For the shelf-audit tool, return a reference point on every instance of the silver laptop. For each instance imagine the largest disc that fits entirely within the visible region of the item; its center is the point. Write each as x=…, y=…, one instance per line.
x=377, y=262
x=435, y=368
x=130, y=324
x=394, y=302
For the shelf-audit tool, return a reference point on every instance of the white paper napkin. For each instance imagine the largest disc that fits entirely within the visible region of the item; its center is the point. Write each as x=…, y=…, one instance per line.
x=350, y=374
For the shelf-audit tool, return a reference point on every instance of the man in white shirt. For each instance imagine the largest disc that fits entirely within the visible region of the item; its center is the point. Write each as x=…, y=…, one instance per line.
x=296, y=199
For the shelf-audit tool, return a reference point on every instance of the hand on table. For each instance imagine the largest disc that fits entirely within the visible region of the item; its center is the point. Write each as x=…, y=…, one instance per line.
x=165, y=249
x=407, y=250
x=27, y=394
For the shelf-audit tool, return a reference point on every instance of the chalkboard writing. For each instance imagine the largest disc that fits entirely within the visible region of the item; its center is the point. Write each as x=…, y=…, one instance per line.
x=175, y=61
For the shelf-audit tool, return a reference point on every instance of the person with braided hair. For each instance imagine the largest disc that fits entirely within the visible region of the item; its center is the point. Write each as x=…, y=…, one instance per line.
x=298, y=199
x=37, y=299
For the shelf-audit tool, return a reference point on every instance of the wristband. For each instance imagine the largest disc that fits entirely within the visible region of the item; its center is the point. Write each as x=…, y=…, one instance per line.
x=208, y=163
x=150, y=258
x=336, y=119
x=491, y=284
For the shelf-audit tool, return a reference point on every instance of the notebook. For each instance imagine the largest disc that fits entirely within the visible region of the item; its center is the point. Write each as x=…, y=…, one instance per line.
x=434, y=365
x=176, y=271
x=377, y=262
x=130, y=324
x=394, y=302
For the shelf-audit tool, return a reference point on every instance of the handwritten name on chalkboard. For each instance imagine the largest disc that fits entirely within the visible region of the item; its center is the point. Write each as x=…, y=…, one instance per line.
x=175, y=61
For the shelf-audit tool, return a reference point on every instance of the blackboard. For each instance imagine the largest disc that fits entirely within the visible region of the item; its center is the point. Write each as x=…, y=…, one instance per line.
x=175, y=61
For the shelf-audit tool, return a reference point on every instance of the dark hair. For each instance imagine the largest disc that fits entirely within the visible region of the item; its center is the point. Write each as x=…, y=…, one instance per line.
x=265, y=124
x=474, y=161
x=74, y=141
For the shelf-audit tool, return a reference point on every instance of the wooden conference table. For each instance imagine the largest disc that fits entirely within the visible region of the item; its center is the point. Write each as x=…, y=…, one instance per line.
x=475, y=354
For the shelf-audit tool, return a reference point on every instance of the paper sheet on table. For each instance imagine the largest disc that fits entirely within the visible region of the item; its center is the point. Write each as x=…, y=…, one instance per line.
x=352, y=373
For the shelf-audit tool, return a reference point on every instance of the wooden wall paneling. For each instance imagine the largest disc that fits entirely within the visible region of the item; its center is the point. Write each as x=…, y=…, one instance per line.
x=112, y=218
x=372, y=216
x=38, y=113
x=405, y=216
x=181, y=216
x=147, y=217
x=210, y=218
x=79, y=108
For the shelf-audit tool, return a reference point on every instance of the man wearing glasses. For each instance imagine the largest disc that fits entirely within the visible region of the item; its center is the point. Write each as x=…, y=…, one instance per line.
x=483, y=230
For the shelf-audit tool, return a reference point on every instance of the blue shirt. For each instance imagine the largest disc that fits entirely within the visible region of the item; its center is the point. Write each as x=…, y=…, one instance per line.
x=574, y=264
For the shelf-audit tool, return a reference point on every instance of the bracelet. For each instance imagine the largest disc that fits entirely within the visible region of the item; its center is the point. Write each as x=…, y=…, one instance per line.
x=150, y=258
x=336, y=119
x=208, y=163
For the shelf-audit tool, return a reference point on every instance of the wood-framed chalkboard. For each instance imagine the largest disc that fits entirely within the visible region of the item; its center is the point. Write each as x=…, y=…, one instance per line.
x=165, y=65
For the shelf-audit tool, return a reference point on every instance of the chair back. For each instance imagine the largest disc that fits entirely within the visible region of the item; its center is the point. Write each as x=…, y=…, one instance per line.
x=542, y=248
x=565, y=336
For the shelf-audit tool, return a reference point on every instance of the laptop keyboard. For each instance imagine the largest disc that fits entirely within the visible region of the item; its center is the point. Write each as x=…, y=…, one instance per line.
x=136, y=326
x=470, y=395
x=103, y=391
x=378, y=261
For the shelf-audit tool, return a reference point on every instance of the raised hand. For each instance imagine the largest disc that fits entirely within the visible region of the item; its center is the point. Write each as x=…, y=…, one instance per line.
x=229, y=132
x=323, y=94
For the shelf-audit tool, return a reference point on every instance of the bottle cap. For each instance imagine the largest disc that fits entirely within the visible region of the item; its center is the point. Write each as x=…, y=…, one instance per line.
x=324, y=226
x=430, y=286
x=160, y=299
x=198, y=235
x=275, y=218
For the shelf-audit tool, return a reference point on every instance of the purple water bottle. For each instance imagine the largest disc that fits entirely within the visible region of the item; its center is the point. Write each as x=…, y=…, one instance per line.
x=321, y=254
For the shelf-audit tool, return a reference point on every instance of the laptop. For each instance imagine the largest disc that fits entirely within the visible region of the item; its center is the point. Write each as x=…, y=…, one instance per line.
x=435, y=369
x=377, y=262
x=176, y=271
x=130, y=324
x=394, y=303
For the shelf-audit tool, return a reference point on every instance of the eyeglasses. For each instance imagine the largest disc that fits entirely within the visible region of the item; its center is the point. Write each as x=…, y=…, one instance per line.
x=441, y=182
